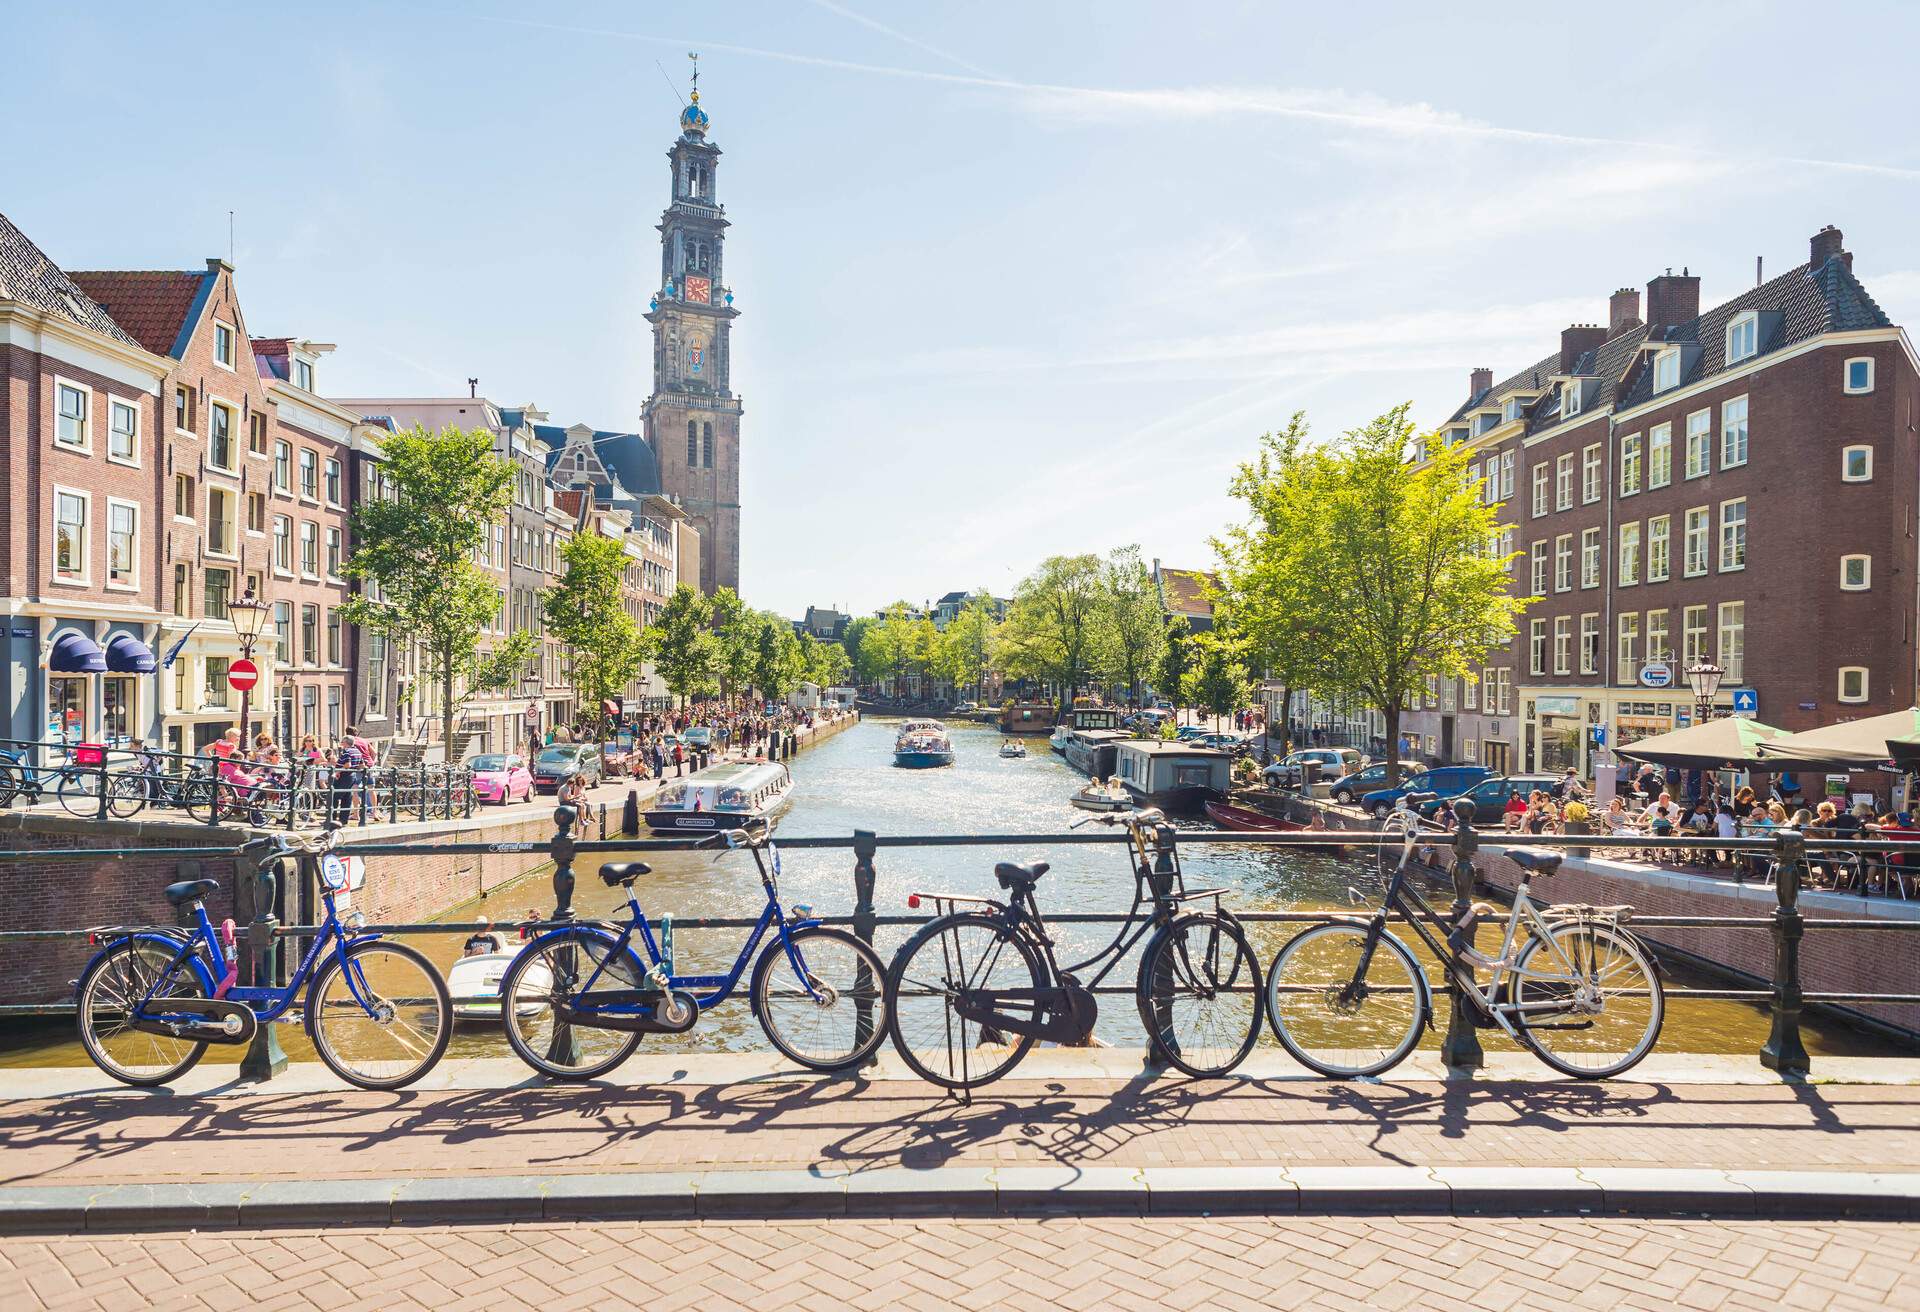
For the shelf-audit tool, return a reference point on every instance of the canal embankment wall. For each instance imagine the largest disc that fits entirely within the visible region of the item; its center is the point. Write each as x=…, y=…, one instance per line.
x=54, y=887
x=1831, y=960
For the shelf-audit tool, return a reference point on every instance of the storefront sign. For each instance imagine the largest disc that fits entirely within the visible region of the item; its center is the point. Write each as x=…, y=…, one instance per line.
x=1836, y=785
x=1656, y=674
x=1557, y=705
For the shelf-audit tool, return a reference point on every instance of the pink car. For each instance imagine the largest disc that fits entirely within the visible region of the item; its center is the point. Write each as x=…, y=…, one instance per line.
x=500, y=777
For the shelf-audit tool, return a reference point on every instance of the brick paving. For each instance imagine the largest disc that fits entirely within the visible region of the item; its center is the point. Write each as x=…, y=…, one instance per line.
x=1501, y=1265
x=840, y=1126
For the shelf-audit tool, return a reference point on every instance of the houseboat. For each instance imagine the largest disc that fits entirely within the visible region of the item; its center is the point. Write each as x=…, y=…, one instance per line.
x=1084, y=717
x=1027, y=717
x=922, y=745
x=1172, y=776
x=720, y=797
x=1091, y=751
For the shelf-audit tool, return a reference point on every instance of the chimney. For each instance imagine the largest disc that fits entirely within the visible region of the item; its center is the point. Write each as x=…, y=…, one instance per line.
x=1673, y=299
x=1577, y=341
x=1623, y=310
x=1826, y=244
x=1479, y=381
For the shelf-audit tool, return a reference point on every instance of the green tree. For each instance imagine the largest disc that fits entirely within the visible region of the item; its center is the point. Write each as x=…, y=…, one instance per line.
x=898, y=645
x=1176, y=658
x=1389, y=558
x=863, y=658
x=585, y=611
x=1219, y=682
x=681, y=644
x=829, y=665
x=414, y=555
x=778, y=664
x=1134, y=626
x=736, y=630
x=1053, y=629
x=963, y=655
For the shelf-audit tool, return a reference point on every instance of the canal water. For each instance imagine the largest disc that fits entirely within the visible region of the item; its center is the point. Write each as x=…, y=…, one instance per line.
x=849, y=781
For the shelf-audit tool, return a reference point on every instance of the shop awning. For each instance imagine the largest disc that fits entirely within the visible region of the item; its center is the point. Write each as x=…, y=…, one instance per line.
x=1729, y=741
x=126, y=654
x=75, y=653
x=610, y=707
x=1857, y=744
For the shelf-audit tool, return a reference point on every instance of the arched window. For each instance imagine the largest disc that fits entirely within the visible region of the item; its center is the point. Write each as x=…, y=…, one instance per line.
x=706, y=447
x=693, y=444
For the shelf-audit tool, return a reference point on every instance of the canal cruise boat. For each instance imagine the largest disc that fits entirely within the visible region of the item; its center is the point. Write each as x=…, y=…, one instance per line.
x=922, y=744
x=1173, y=776
x=720, y=797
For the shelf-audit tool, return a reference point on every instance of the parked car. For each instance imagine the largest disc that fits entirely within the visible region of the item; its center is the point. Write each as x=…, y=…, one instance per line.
x=563, y=761
x=1334, y=763
x=501, y=777
x=1147, y=722
x=697, y=736
x=963, y=708
x=1348, y=789
x=1231, y=743
x=1489, y=797
x=1442, y=781
x=1190, y=731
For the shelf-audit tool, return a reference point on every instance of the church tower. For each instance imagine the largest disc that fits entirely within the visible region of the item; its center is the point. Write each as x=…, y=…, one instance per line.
x=692, y=420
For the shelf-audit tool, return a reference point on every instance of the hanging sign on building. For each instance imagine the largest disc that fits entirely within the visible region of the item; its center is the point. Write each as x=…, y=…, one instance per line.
x=1656, y=674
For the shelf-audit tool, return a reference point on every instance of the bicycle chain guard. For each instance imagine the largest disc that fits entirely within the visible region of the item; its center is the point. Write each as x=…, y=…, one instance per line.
x=1066, y=1013
x=206, y=1020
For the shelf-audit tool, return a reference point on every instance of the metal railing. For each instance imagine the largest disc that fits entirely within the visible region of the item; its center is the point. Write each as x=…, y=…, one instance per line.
x=1784, y=994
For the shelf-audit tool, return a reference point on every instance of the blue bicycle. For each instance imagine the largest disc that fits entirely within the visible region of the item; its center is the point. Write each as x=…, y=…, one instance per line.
x=153, y=999
x=578, y=997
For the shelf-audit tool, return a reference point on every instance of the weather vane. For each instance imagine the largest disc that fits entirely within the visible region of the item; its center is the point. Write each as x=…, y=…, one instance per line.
x=694, y=55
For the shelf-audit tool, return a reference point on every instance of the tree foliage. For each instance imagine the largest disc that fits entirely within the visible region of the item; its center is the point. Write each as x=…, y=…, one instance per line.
x=585, y=611
x=1134, y=626
x=896, y=646
x=963, y=653
x=1054, y=629
x=415, y=557
x=682, y=645
x=1176, y=659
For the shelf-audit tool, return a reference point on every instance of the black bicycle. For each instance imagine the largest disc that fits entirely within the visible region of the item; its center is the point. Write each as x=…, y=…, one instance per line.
x=974, y=989
x=148, y=784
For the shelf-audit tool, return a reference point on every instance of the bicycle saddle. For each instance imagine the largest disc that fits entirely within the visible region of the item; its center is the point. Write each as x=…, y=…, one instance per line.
x=190, y=890
x=1533, y=859
x=1010, y=873
x=623, y=872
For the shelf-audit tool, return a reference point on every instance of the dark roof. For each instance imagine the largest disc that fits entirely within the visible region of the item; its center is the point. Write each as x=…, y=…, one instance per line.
x=151, y=304
x=1808, y=301
x=29, y=277
x=1608, y=363
x=626, y=455
x=274, y=355
x=1531, y=379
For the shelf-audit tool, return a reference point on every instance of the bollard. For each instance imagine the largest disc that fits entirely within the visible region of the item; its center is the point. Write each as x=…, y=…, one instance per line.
x=1461, y=1047
x=564, y=1048
x=864, y=878
x=393, y=798
x=1784, y=1052
x=264, y=1058
x=603, y=822
x=630, y=813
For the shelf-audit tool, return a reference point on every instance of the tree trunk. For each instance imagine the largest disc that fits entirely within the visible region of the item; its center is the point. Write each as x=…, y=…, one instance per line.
x=446, y=710
x=1286, y=720
x=1392, y=712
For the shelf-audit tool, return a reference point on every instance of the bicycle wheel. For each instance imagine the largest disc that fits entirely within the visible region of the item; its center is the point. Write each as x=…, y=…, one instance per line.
x=197, y=795
x=123, y=975
x=1336, y=1018
x=12, y=781
x=381, y=1015
x=126, y=795
x=1199, y=994
x=79, y=791
x=841, y=1020
x=1595, y=1006
x=951, y=954
x=552, y=973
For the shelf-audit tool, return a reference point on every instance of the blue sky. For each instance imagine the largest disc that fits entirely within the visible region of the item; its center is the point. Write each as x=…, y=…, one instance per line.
x=1014, y=278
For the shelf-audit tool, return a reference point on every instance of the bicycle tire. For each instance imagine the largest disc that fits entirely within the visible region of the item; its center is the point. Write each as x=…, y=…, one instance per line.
x=518, y=992
x=198, y=797
x=12, y=781
x=436, y=1042
x=126, y=795
x=848, y=993
x=957, y=1071
x=1620, y=946
x=79, y=792
x=1323, y=975
x=117, y=967
x=1167, y=960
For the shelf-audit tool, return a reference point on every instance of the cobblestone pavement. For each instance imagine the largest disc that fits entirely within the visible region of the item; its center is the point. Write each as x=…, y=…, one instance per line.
x=838, y=1126
x=1326, y=1263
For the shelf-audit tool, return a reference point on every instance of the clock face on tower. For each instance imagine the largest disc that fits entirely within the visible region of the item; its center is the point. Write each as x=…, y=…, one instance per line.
x=699, y=289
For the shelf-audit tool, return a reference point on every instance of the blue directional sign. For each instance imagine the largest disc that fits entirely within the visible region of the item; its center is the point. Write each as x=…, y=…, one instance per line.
x=1746, y=702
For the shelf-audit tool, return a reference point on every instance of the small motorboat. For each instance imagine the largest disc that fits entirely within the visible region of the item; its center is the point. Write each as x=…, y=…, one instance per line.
x=474, y=981
x=1013, y=750
x=1103, y=795
x=1248, y=821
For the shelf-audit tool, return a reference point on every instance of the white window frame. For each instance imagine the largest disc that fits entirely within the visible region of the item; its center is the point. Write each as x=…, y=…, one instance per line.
x=1663, y=652
x=1721, y=537
x=1747, y=326
x=1660, y=443
x=1537, y=647
x=300, y=365
x=1563, y=482
x=1590, y=642
x=336, y=552
x=1664, y=536
x=173, y=497
x=1629, y=554
x=84, y=577
x=282, y=477
x=1866, y=573
x=133, y=568
x=1592, y=558
x=1666, y=370
x=1563, y=563
x=1570, y=398
x=216, y=490
x=85, y=445
x=234, y=440
x=1693, y=641
x=1563, y=644
x=1840, y=689
x=1593, y=473
x=1630, y=465
x=1706, y=542
x=333, y=476
x=1537, y=556
x=273, y=553
x=233, y=345
x=133, y=408
x=1735, y=666
x=1727, y=430
x=310, y=534
x=1847, y=451
x=1508, y=459
x=302, y=458
x=1541, y=476
x=1627, y=647
x=1701, y=440
x=1846, y=375
x=260, y=532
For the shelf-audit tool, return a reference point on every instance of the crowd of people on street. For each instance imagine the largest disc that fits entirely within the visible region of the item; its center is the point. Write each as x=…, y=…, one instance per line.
x=672, y=743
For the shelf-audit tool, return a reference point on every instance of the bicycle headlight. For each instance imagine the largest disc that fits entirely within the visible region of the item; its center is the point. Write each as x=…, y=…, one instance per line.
x=354, y=921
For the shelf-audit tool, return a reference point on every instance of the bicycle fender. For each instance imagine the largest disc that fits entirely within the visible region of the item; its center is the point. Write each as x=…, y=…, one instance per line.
x=319, y=969
x=172, y=940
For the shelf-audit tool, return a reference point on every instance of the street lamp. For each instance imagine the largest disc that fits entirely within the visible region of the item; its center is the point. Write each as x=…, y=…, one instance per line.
x=249, y=615
x=1705, y=679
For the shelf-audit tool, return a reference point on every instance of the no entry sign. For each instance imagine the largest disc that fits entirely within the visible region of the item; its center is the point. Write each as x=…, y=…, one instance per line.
x=243, y=674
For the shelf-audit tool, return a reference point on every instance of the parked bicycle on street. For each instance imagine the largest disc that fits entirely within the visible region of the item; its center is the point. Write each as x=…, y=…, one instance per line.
x=976, y=988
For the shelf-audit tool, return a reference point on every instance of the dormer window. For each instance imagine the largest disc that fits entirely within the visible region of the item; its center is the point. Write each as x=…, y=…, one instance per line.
x=1743, y=337
x=1666, y=371
x=1512, y=409
x=1570, y=398
x=303, y=375
x=1481, y=423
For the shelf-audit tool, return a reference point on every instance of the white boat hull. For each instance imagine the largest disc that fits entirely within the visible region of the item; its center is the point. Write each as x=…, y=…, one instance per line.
x=474, y=985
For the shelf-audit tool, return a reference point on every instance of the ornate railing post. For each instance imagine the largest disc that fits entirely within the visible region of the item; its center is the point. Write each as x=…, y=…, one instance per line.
x=865, y=845
x=1784, y=1052
x=564, y=1048
x=1461, y=1047
x=257, y=871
